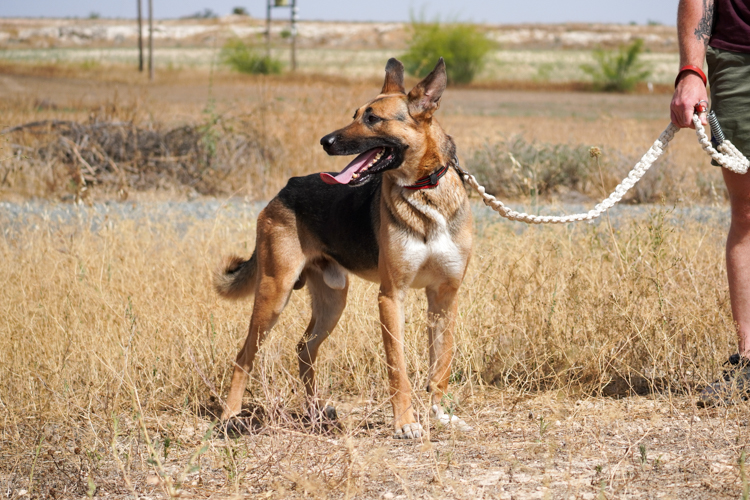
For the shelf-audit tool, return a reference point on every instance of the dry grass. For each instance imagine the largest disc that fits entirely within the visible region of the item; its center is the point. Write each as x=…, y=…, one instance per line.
x=579, y=348
x=250, y=134
x=112, y=335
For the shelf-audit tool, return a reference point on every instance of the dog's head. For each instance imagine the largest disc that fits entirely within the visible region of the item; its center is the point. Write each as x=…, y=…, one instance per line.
x=390, y=131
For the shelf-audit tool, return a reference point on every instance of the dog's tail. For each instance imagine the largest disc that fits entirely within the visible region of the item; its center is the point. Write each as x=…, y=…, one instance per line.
x=235, y=278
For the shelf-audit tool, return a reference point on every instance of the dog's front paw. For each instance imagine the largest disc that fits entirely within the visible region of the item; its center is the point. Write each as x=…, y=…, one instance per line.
x=409, y=431
x=447, y=420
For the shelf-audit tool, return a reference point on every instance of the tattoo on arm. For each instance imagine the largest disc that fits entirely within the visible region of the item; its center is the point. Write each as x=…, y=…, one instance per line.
x=703, y=31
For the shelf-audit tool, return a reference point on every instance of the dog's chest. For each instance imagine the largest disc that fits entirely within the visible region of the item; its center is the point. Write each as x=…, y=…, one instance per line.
x=433, y=257
x=437, y=259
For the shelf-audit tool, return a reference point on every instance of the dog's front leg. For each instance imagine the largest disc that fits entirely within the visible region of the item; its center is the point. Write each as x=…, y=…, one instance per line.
x=441, y=325
x=391, y=302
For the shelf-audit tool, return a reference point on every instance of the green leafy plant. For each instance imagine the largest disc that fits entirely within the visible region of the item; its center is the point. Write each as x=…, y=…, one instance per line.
x=246, y=59
x=543, y=425
x=742, y=462
x=618, y=71
x=463, y=47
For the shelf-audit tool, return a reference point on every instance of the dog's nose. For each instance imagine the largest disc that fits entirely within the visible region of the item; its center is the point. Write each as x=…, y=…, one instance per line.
x=328, y=141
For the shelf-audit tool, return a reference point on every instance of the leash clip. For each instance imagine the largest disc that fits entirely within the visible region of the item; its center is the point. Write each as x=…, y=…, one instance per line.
x=717, y=136
x=700, y=107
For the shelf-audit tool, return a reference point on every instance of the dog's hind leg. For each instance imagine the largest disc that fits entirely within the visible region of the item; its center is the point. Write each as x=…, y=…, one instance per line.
x=327, y=306
x=441, y=311
x=280, y=262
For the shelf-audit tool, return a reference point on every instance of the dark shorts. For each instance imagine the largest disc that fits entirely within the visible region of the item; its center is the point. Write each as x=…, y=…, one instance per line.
x=729, y=78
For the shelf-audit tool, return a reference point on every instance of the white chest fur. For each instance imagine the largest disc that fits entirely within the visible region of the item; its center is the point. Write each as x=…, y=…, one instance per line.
x=434, y=258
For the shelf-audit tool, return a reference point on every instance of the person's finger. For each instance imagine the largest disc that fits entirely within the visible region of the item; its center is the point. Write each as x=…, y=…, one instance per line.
x=687, y=116
x=673, y=117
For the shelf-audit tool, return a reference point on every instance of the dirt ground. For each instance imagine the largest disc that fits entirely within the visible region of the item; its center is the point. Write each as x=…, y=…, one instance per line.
x=542, y=446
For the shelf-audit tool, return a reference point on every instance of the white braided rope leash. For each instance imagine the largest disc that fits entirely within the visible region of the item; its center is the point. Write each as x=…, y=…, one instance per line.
x=728, y=156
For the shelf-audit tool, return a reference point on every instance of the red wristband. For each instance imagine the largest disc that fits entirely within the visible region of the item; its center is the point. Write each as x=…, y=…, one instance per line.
x=694, y=69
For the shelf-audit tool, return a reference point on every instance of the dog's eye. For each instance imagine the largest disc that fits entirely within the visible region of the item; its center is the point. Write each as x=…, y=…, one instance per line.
x=372, y=119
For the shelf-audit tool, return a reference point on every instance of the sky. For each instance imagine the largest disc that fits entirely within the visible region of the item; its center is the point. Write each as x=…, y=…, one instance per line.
x=486, y=11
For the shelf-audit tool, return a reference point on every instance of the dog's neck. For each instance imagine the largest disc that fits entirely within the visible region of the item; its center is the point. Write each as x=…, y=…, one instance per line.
x=427, y=212
x=437, y=151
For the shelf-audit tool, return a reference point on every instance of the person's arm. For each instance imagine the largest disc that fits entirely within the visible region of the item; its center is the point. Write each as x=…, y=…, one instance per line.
x=694, y=23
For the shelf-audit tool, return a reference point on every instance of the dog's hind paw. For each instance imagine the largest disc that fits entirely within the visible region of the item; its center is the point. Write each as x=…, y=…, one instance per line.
x=409, y=431
x=447, y=420
x=330, y=413
x=234, y=428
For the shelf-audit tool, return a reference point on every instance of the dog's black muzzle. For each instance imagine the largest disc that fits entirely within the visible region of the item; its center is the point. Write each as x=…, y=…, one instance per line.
x=329, y=142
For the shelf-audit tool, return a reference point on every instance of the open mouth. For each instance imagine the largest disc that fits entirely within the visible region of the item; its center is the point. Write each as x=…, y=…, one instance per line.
x=370, y=162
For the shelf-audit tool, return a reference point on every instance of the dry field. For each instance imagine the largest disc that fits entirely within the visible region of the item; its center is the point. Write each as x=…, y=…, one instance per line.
x=537, y=54
x=579, y=348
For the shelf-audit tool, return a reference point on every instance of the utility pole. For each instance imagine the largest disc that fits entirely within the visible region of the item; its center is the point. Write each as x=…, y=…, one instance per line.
x=151, y=40
x=270, y=4
x=268, y=29
x=294, y=35
x=140, y=37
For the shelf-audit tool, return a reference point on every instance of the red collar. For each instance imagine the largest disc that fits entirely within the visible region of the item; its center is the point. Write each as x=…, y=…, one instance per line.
x=430, y=181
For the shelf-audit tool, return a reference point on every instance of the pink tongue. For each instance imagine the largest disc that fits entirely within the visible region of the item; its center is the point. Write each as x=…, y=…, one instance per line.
x=354, y=167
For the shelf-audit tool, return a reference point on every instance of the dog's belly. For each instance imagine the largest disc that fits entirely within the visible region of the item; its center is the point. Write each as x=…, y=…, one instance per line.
x=368, y=274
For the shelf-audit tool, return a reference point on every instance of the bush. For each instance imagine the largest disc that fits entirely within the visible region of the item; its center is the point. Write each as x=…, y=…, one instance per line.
x=240, y=11
x=246, y=59
x=463, y=47
x=618, y=71
x=206, y=14
x=517, y=168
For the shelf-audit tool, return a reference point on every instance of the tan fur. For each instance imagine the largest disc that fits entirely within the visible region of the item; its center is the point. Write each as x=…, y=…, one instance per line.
x=424, y=240
x=235, y=278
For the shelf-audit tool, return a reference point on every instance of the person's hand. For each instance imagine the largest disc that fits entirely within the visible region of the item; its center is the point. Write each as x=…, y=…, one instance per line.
x=689, y=92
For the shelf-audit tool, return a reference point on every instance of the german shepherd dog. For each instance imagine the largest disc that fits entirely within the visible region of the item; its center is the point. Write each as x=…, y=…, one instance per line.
x=397, y=215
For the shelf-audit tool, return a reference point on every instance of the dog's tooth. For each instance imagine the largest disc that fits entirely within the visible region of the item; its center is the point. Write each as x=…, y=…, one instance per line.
x=355, y=176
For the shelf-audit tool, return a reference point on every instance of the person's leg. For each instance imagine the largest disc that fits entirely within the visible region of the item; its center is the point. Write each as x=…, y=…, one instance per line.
x=738, y=256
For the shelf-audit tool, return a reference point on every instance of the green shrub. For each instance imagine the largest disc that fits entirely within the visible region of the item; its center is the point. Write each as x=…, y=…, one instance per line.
x=517, y=168
x=618, y=71
x=206, y=14
x=463, y=47
x=247, y=59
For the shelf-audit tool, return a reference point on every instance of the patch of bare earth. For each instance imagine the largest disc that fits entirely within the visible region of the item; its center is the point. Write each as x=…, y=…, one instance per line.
x=521, y=447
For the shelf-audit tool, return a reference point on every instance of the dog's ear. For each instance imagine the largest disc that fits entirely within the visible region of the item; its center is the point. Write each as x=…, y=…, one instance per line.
x=424, y=98
x=394, y=77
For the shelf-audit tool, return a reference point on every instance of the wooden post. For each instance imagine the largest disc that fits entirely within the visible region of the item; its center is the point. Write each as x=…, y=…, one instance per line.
x=268, y=28
x=140, y=37
x=294, y=35
x=151, y=40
